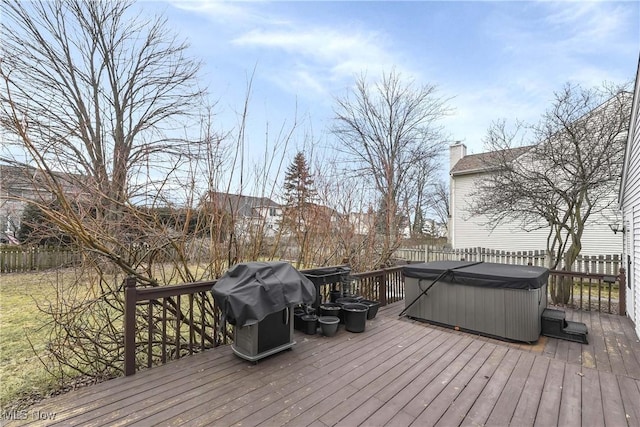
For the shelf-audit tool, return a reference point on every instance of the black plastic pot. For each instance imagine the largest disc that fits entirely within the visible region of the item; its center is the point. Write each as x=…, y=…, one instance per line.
x=297, y=318
x=373, y=308
x=348, y=300
x=355, y=317
x=309, y=324
x=334, y=295
x=330, y=309
x=329, y=325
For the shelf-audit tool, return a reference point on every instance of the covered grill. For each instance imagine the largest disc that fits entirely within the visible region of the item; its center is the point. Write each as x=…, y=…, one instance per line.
x=258, y=298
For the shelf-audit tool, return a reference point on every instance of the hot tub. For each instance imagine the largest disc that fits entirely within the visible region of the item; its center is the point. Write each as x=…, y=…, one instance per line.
x=499, y=300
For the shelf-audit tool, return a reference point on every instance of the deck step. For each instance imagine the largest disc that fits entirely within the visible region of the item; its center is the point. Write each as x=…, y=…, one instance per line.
x=555, y=325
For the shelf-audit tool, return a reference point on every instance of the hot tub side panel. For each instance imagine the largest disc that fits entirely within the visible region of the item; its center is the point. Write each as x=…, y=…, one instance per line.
x=507, y=313
x=523, y=313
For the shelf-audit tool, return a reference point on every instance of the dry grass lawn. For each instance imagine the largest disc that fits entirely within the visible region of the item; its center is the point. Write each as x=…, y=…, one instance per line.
x=21, y=332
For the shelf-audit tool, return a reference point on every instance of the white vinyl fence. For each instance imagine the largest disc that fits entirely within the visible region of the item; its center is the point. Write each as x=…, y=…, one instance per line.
x=601, y=264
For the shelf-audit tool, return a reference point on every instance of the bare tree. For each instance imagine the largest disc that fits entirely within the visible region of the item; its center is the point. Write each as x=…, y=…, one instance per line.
x=438, y=202
x=386, y=130
x=97, y=99
x=567, y=175
x=93, y=91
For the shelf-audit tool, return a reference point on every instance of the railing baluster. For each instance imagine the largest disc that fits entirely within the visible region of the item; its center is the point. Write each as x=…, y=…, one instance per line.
x=150, y=333
x=130, y=326
x=600, y=295
x=164, y=331
x=178, y=325
x=203, y=309
x=191, y=330
x=581, y=292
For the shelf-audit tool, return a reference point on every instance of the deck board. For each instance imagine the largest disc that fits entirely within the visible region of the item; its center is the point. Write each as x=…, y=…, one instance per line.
x=399, y=372
x=486, y=401
x=450, y=390
x=631, y=399
x=459, y=407
x=507, y=402
x=592, y=410
x=571, y=400
x=614, y=413
x=549, y=406
x=527, y=406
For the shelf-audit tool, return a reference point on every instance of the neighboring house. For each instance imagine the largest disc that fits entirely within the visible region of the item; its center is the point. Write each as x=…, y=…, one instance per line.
x=629, y=199
x=467, y=230
x=323, y=216
x=19, y=185
x=250, y=214
x=434, y=228
x=361, y=223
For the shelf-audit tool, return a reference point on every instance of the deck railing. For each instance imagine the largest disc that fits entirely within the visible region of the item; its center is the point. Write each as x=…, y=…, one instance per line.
x=384, y=285
x=169, y=322
x=166, y=323
x=589, y=292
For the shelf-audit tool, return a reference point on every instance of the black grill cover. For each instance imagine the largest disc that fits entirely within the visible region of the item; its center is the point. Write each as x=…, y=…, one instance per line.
x=486, y=274
x=248, y=292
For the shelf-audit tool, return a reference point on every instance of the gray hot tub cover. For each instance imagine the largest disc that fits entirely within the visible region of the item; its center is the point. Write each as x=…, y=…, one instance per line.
x=248, y=292
x=487, y=274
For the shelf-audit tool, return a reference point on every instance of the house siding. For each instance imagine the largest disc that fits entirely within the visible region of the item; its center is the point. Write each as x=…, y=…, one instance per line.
x=473, y=230
x=630, y=205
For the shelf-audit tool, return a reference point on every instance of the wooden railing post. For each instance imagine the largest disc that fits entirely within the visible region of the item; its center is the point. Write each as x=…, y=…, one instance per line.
x=383, y=288
x=622, y=291
x=130, y=326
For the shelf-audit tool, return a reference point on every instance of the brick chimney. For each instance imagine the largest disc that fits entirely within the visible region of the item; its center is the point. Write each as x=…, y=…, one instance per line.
x=456, y=152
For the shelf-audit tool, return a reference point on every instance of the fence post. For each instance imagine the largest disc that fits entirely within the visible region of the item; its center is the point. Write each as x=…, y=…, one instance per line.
x=622, y=291
x=130, y=326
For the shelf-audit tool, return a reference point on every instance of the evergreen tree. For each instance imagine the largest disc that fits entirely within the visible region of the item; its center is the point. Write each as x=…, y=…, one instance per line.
x=299, y=192
x=36, y=228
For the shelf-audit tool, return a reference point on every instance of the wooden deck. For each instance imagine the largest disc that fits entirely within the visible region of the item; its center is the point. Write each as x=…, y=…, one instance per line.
x=398, y=372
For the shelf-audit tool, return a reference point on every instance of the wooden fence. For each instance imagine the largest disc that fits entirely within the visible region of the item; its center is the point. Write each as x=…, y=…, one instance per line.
x=20, y=259
x=601, y=264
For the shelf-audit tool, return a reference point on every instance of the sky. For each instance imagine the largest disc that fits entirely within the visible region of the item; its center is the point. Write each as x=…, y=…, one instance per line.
x=492, y=60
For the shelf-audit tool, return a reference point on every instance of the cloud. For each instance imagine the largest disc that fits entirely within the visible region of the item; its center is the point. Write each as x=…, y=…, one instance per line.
x=296, y=53
x=587, y=26
x=224, y=12
x=542, y=45
x=323, y=56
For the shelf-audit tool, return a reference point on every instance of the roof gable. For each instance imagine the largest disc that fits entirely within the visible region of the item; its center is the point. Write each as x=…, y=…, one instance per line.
x=476, y=163
x=241, y=205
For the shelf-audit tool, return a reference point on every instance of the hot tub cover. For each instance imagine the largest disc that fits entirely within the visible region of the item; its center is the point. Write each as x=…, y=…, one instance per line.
x=248, y=292
x=485, y=274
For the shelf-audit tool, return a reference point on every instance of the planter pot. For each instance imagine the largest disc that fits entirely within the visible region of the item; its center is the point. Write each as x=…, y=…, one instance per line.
x=355, y=317
x=309, y=324
x=330, y=309
x=373, y=308
x=329, y=325
x=348, y=300
x=334, y=295
x=297, y=318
